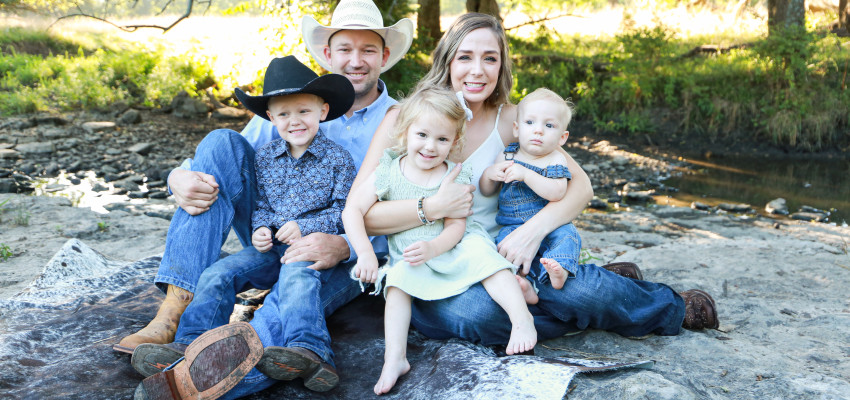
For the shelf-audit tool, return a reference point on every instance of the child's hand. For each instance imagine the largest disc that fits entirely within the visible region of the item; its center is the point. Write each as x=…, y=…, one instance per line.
x=288, y=233
x=366, y=268
x=262, y=239
x=496, y=172
x=515, y=172
x=418, y=253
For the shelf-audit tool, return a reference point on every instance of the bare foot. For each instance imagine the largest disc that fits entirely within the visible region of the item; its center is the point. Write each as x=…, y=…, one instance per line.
x=557, y=273
x=527, y=291
x=523, y=336
x=390, y=373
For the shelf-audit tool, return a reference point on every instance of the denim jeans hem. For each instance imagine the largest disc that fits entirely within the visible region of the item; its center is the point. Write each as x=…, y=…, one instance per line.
x=320, y=351
x=162, y=282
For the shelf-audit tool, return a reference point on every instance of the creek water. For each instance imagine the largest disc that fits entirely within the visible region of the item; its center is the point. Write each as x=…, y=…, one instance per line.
x=823, y=184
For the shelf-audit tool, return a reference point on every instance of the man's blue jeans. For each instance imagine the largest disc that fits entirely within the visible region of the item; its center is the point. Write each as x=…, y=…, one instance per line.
x=194, y=242
x=596, y=298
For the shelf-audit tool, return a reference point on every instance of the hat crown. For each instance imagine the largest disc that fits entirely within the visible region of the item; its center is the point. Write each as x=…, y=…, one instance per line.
x=359, y=13
x=286, y=74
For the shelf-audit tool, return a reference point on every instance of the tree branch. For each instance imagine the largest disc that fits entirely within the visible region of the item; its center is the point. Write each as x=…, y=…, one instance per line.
x=133, y=28
x=544, y=19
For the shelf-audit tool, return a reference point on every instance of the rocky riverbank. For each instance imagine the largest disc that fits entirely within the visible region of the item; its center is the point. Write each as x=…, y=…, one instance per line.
x=780, y=284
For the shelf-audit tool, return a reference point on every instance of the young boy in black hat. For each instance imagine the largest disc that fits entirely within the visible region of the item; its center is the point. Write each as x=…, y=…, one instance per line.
x=302, y=182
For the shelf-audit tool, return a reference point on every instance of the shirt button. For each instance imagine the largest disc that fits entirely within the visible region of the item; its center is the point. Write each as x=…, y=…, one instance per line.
x=348, y=127
x=365, y=119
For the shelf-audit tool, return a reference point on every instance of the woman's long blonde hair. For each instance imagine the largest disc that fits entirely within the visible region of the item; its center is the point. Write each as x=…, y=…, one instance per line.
x=446, y=49
x=436, y=99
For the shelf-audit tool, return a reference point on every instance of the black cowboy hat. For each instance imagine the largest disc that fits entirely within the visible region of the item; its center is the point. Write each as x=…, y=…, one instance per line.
x=287, y=75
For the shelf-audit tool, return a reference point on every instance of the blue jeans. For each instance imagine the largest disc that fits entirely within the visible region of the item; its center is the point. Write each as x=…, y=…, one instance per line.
x=596, y=298
x=294, y=313
x=215, y=294
x=562, y=245
x=194, y=242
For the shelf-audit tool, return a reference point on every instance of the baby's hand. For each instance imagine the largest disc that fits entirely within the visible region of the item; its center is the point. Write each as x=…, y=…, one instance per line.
x=288, y=233
x=262, y=239
x=515, y=172
x=418, y=253
x=366, y=268
x=496, y=172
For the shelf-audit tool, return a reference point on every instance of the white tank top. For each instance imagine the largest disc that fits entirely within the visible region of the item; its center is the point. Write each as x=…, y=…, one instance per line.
x=484, y=209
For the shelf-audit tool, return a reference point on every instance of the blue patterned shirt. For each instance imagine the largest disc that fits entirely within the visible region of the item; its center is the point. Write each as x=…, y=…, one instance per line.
x=309, y=190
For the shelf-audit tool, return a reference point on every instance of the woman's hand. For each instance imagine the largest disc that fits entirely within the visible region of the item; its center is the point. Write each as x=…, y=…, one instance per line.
x=452, y=200
x=520, y=246
x=262, y=239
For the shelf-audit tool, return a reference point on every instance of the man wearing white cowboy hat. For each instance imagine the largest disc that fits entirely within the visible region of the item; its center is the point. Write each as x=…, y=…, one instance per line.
x=217, y=190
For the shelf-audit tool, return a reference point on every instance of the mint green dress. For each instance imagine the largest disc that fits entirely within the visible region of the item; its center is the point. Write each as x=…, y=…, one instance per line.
x=451, y=273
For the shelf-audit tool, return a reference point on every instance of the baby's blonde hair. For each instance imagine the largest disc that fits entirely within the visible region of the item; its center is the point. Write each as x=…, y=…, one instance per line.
x=566, y=114
x=432, y=99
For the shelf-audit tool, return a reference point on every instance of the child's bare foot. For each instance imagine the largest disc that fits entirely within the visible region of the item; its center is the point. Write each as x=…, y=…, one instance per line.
x=392, y=370
x=523, y=336
x=557, y=273
x=527, y=291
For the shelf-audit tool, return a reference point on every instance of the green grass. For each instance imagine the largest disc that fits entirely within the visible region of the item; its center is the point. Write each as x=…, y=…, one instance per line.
x=789, y=91
x=40, y=72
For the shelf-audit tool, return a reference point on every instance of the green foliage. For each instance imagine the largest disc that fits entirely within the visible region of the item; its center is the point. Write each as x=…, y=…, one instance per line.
x=785, y=89
x=88, y=77
x=5, y=251
x=102, y=226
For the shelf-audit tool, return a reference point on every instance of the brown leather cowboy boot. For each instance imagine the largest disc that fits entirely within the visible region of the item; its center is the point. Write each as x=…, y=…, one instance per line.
x=162, y=328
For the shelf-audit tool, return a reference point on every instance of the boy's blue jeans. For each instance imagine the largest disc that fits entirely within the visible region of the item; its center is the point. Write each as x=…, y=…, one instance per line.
x=293, y=312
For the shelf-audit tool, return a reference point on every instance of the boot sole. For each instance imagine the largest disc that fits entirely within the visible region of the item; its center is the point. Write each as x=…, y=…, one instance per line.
x=214, y=363
x=149, y=359
x=283, y=364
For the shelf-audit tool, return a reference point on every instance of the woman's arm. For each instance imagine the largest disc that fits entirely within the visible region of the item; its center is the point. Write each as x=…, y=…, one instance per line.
x=422, y=251
x=521, y=245
x=452, y=200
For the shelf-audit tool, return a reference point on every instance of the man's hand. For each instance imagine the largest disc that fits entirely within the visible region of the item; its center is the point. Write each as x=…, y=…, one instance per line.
x=418, y=253
x=262, y=239
x=452, y=200
x=288, y=233
x=193, y=191
x=366, y=268
x=520, y=247
x=515, y=172
x=324, y=250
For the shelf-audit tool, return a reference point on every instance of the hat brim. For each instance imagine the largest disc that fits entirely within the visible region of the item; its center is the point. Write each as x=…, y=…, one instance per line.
x=397, y=38
x=334, y=89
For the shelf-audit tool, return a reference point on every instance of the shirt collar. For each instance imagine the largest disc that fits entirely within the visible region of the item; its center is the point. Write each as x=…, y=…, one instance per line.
x=317, y=148
x=382, y=98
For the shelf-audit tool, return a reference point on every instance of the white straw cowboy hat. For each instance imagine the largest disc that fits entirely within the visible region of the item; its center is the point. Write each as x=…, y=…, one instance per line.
x=358, y=15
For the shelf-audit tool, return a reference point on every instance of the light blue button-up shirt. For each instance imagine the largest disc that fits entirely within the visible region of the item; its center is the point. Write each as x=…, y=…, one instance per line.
x=352, y=133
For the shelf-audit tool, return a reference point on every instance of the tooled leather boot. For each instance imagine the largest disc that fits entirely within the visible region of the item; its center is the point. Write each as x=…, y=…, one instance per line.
x=162, y=328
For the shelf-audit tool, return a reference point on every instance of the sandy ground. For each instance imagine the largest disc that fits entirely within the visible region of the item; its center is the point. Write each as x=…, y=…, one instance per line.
x=780, y=286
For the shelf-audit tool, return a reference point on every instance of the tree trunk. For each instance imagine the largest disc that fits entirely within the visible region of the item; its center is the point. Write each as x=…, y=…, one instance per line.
x=783, y=14
x=843, y=14
x=484, y=7
x=428, y=22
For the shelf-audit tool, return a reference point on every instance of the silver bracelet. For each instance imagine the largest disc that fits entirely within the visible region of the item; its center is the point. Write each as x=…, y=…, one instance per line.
x=421, y=212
